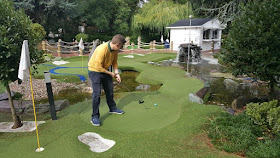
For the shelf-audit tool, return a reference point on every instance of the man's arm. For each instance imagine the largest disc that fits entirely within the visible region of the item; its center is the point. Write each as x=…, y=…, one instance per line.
x=109, y=73
x=115, y=66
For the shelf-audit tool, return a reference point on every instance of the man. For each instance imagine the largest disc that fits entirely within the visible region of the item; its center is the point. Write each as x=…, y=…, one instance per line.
x=103, y=57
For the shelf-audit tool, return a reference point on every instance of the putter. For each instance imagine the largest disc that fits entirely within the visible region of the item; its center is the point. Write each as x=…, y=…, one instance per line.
x=140, y=102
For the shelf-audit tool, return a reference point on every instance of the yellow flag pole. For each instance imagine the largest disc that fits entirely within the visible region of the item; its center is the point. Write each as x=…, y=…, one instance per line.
x=38, y=141
x=82, y=54
x=82, y=62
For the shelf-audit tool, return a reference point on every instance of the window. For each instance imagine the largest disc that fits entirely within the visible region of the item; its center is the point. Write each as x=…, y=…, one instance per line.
x=206, y=34
x=215, y=34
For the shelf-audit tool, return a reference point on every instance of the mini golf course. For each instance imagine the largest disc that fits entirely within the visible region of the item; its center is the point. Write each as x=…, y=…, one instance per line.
x=175, y=127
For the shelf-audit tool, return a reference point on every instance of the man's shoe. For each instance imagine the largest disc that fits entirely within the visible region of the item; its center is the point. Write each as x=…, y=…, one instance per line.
x=95, y=121
x=116, y=111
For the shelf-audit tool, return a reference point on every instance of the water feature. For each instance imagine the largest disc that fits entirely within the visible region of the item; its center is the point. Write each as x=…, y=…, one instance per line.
x=209, y=71
x=75, y=95
x=129, y=79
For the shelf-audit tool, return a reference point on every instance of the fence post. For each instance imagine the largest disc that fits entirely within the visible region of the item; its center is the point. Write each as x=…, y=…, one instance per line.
x=151, y=47
x=127, y=42
x=46, y=42
x=154, y=44
x=171, y=46
x=71, y=47
x=59, y=48
x=44, y=46
x=139, y=42
x=132, y=47
x=212, y=46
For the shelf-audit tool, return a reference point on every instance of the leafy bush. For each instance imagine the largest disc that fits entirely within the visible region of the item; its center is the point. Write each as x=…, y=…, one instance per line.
x=48, y=56
x=251, y=45
x=69, y=37
x=82, y=35
x=14, y=28
x=265, y=149
x=39, y=31
x=17, y=96
x=266, y=115
x=234, y=133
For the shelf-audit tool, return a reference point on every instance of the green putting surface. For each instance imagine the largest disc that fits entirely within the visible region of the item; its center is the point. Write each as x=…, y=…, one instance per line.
x=138, y=117
x=174, y=128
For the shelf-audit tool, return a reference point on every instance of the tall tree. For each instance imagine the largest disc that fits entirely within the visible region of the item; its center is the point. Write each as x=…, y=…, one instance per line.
x=123, y=16
x=224, y=10
x=252, y=46
x=156, y=15
x=33, y=8
x=58, y=13
x=52, y=14
x=98, y=14
x=108, y=16
x=15, y=27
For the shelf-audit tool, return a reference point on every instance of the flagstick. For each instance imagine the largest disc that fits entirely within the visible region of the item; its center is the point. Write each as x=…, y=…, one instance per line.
x=39, y=149
x=82, y=63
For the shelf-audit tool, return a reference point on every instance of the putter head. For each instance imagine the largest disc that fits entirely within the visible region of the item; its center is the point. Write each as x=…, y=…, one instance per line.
x=140, y=102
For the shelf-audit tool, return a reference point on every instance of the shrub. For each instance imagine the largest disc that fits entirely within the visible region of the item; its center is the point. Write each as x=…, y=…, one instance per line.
x=83, y=36
x=17, y=96
x=265, y=149
x=48, y=56
x=266, y=115
x=39, y=31
x=234, y=133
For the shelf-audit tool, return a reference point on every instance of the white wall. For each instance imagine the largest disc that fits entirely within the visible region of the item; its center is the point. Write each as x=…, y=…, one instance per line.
x=182, y=35
x=212, y=24
x=185, y=35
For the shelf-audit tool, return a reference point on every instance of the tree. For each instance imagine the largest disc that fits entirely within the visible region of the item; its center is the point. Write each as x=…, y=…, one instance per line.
x=108, y=16
x=252, y=46
x=123, y=16
x=156, y=15
x=33, y=8
x=58, y=12
x=224, y=10
x=15, y=27
x=52, y=14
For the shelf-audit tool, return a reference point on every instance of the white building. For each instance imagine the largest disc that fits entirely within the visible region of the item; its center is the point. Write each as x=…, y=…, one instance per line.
x=201, y=32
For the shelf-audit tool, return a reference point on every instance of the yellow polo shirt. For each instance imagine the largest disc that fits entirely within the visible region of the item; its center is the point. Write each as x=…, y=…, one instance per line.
x=102, y=58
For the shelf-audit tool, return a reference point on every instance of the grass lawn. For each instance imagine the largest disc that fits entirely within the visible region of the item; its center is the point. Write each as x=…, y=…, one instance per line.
x=174, y=128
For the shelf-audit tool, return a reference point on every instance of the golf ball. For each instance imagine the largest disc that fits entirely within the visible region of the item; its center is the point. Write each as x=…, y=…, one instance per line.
x=155, y=104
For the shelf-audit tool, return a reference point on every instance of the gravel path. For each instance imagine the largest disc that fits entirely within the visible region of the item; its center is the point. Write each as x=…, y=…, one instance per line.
x=39, y=88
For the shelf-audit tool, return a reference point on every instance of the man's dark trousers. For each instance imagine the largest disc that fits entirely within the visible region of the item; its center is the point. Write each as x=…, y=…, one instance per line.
x=98, y=79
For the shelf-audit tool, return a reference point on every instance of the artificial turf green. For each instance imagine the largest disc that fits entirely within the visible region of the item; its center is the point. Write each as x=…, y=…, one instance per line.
x=174, y=128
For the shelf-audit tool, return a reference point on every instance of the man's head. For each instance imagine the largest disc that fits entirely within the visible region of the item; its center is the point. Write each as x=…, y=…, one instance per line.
x=118, y=41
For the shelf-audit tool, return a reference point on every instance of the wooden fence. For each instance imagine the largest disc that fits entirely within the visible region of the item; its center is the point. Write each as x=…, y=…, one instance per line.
x=61, y=47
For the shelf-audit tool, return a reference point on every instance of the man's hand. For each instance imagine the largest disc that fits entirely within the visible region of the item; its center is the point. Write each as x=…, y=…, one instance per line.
x=112, y=74
x=118, y=77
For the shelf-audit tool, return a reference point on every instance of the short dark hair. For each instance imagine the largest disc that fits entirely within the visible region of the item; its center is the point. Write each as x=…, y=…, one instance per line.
x=118, y=39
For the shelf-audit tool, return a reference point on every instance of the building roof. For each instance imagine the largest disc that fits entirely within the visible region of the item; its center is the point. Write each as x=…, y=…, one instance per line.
x=186, y=22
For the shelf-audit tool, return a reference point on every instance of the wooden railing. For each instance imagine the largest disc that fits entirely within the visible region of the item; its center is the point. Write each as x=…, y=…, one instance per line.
x=62, y=47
